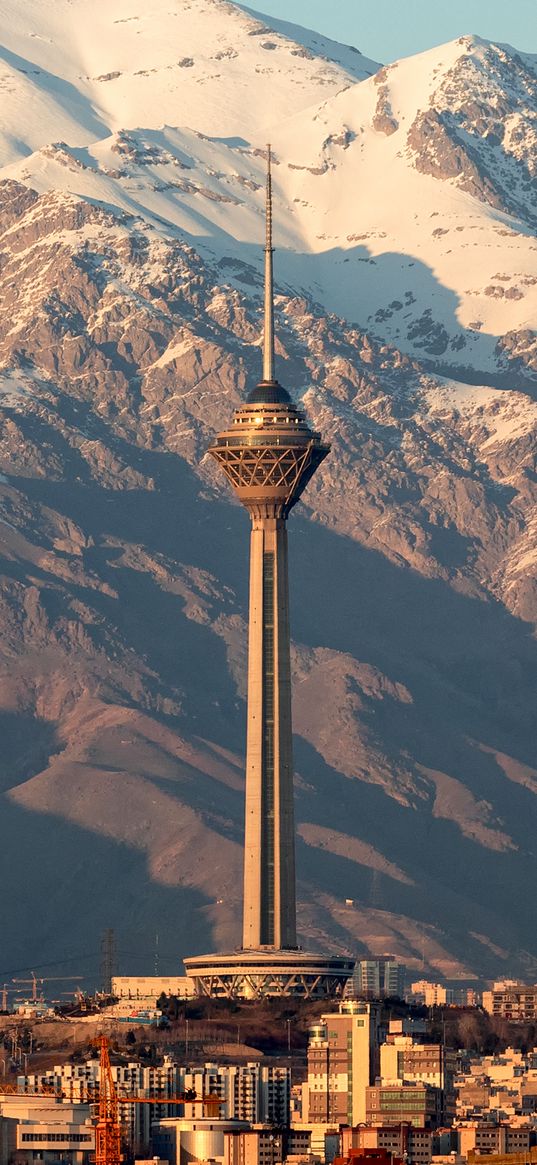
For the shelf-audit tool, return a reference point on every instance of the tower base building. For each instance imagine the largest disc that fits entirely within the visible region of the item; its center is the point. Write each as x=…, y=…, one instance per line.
x=262, y=974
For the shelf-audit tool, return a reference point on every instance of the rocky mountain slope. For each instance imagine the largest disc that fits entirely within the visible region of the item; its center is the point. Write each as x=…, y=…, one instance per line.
x=130, y=285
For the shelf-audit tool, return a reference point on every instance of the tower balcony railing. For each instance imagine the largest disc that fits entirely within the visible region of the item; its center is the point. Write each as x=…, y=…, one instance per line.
x=258, y=439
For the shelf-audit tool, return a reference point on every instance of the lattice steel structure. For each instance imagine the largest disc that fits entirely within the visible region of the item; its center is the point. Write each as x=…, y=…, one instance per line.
x=269, y=454
x=107, y=1130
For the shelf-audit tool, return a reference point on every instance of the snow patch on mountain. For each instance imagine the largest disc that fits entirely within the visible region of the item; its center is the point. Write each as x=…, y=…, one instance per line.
x=86, y=69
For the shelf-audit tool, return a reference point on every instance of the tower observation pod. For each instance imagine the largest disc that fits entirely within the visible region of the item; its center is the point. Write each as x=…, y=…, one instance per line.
x=269, y=454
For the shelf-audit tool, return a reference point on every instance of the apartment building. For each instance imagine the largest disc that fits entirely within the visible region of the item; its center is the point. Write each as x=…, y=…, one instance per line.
x=378, y=978
x=343, y=1060
x=421, y=1105
x=414, y=1145
x=404, y=1060
x=512, y=1000
x=250, y=1092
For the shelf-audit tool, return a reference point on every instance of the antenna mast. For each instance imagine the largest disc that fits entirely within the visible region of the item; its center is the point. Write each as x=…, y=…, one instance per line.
x=268, y=343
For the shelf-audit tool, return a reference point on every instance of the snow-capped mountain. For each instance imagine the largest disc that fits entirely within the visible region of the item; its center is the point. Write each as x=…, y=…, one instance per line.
x=131, y=205
x=82, y=71
x=453, y=131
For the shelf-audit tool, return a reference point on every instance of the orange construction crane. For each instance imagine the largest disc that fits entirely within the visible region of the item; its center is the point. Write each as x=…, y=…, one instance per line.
x=89, y=1093
x=212, y=1103
x=93, y=1093
x=107, y=1131
x=44, y=1089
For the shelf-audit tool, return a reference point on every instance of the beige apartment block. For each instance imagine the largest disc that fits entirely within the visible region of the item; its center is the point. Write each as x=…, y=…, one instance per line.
x=403, y=1060
x=512, y=1000
x=413, y=1145
x=430, y=994
x=342, y=1062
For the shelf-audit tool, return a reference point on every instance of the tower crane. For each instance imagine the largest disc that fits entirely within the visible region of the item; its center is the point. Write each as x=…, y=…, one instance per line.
x=107, y=1131
x=108, y=1128
x=38, y=979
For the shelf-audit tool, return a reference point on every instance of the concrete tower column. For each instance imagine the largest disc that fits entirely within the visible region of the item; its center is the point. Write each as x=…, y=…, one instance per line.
x=269, y=913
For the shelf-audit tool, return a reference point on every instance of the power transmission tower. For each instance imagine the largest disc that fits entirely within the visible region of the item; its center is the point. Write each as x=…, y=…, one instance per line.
x=109, y=966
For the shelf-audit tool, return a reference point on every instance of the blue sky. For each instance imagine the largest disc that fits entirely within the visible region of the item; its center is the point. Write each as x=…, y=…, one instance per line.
x=386, y=29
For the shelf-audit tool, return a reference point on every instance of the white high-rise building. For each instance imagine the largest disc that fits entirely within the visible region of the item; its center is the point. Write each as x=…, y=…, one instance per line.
x=256, y=1093
x=380, y=978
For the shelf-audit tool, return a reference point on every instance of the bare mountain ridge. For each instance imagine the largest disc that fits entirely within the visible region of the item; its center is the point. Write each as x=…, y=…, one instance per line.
x=114, y=616
x=131, y=291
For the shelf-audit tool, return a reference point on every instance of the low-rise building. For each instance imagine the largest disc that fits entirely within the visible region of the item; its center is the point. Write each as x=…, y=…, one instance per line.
x=418, y=1104
x=38, y=1129
x=368, y=1157
x=183, y=1141
x=224, y=1142
x=512, y=1000
x=482, y=1137
x=412, y=1144
x=149, y=988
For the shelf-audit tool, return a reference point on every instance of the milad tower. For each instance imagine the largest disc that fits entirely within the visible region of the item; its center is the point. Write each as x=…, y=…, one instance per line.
x=269, y=455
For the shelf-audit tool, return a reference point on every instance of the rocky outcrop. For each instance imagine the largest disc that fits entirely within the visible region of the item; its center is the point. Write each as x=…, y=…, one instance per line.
x=481, y=129
x=383, y=119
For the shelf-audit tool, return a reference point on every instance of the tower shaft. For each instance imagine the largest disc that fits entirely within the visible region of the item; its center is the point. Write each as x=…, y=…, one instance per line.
x=269, y=917
x=269, y=454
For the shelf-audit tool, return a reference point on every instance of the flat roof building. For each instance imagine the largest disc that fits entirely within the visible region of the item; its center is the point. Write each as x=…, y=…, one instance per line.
x=512, y=1000
x=151, y=987
x=418, y=1104
x=37, y=1129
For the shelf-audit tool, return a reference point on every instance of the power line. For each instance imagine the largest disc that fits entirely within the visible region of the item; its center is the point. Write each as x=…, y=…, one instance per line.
x=43, y=966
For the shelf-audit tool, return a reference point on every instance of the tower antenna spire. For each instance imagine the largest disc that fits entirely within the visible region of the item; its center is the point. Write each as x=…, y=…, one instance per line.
x=268, y=342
